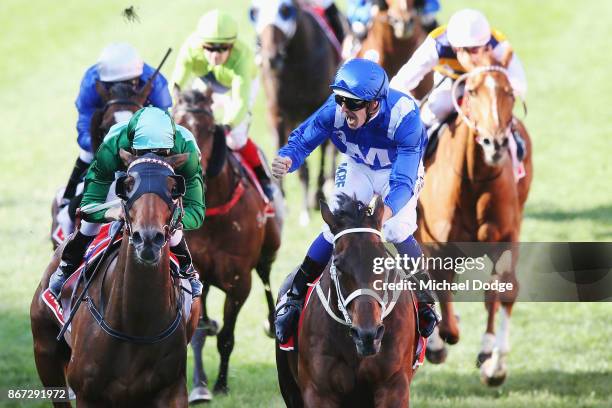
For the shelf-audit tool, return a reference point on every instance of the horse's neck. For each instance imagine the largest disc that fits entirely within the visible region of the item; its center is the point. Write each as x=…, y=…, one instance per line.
x=219, y=189
x=139, y=297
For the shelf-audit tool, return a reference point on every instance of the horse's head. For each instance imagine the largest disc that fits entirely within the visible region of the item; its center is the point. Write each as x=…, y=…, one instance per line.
x=487, y=107
x=150, y=191
x=357, y=244
x=401, y=15
x=275, y=23
x=193, y=110
x=120, y=100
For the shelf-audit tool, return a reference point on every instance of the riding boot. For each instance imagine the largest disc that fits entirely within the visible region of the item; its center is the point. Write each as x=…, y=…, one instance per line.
x=186, y=269
x=428, y=318
x=78, y=172
x=250, y=154
x=521, y=147
x=265, y=181
x=290, y=305
x=335, y=21
x=71, y=258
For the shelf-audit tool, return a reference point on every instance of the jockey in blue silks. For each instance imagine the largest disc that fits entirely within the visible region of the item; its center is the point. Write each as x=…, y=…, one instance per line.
x=381, y=134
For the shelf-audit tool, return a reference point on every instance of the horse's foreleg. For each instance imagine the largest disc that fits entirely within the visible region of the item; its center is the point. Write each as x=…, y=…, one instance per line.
x=449, y=325
x=319, y=195
x=395, y=393
x=225, y=338
x=264, y=266
x=304, y=174
x=313, y=399
x=200, y=392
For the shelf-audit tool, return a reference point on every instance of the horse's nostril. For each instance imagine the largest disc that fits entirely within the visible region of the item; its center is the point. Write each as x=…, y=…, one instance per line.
x=159, y=239
x=354, y=333
x=137, y=238
x=505, y=142
x=486, y=141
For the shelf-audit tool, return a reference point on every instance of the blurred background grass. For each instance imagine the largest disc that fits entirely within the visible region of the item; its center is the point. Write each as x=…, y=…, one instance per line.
x=561, y=354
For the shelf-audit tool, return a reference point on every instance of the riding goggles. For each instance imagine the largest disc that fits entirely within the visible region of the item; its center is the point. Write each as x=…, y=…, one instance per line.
x=350, y=103
x=217, y=47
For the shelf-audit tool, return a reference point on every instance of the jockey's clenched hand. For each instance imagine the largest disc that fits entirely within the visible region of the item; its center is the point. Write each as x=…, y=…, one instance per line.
x=280, y=166
x=114, y=214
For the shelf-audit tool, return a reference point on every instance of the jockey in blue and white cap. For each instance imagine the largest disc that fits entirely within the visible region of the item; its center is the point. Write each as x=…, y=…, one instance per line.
x=380, y=132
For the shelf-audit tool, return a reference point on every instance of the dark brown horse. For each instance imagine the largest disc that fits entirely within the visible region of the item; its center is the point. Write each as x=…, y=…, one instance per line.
x=298, y=64
x=471, y=195
x=359, y=354
x=394, y=36
x=120, y=102
x=138, y=300
x=236, y=236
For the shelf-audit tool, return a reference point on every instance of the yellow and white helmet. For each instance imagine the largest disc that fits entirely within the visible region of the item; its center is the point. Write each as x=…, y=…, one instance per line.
x=119, y=62
x=468, y=28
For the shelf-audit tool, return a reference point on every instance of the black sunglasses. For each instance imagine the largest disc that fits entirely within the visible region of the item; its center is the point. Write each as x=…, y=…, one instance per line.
x=350, y=103
x=217, y=48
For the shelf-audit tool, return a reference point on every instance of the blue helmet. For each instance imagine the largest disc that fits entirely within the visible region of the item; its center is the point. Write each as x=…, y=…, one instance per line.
x=361, y=79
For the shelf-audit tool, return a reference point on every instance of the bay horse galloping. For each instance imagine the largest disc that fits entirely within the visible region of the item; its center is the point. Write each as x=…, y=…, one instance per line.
x=471, y=195
x=395, y=35
x=237, y=235
x=357, y=343
x=121, y=100
x=129, y=343
x=298, y=62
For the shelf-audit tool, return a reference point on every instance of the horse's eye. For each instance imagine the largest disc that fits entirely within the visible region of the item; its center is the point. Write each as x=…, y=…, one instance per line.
x=286, y=11
x=253, y=14
x=472, y=92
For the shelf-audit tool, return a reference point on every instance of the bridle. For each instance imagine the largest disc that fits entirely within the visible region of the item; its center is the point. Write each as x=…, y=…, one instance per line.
x=343, y=303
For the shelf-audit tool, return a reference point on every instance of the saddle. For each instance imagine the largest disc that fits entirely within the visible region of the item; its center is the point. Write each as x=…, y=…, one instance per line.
x=94, y=255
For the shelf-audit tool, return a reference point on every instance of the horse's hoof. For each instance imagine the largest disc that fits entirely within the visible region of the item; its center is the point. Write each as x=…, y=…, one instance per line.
x=449, y=337
x=482, y=357
x=210, y=327
x=436, y=356
x=222, y=389
x=268, y=329
x=493, y=370
x=200, y=394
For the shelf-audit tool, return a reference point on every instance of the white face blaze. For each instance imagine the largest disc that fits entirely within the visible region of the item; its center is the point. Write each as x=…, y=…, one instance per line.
x=123, y=116
x=270, y=12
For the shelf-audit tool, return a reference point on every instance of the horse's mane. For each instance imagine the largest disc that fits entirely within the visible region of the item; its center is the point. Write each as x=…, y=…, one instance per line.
x=193, y=97
x=351, y=212
x=120, y=90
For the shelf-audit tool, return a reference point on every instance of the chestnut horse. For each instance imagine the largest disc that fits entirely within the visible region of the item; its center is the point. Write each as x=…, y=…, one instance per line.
x=471, y=195
x=120, y=102
x=134, y=352
x=357, y=351
x=236, y=236
x=298, y=63
x=395, y=35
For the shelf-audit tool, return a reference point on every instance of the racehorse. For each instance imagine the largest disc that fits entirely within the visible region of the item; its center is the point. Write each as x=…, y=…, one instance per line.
x=298, y=63
x=120, y=102
x=395, y=35
x=129, y=344
x=236, y=236
x=357, y=351
x=471, y=195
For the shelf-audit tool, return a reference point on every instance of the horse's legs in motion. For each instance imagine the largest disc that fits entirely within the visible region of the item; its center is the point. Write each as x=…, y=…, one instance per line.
x=50, y=355
x=304, y=180
x=264, y=266
x=225, y=338
x=319, y=195
x=312, y=399
x=200, y=390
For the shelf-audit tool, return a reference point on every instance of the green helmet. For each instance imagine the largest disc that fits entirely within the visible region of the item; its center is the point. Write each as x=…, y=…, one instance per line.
x=151, y=128
x=217, y=27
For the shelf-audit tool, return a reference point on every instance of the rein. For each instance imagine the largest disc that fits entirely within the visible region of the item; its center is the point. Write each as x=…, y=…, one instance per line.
x=343, y=302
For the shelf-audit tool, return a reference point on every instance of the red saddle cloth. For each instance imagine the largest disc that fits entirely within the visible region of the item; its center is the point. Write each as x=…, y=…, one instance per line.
x=61, y=307
x=290, y=345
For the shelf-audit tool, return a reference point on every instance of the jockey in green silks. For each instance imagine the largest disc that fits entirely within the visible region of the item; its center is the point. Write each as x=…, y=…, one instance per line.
x=215, y=56
x=151, y=130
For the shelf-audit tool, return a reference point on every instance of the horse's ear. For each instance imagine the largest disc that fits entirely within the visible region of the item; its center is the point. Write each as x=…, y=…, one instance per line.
x=126, y=157
x=327, y=215
x=505, y=59
x=176, y=94
x=102, y=91
x=177, y=160
x=377, y=212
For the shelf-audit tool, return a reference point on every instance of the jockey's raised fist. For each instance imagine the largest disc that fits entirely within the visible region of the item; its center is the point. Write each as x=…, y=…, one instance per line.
x=280, y=166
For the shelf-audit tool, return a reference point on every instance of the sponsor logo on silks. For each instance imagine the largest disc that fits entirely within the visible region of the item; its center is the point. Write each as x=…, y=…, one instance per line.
x=341, y=175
